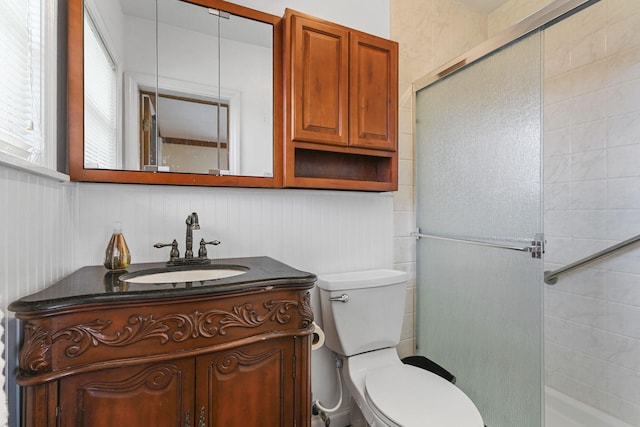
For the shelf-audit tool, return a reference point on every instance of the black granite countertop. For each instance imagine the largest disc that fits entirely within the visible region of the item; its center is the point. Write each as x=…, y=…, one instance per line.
x=96, y=284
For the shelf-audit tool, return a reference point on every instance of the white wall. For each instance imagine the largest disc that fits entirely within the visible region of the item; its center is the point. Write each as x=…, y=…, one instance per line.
x=314, y=230
x=369, y=16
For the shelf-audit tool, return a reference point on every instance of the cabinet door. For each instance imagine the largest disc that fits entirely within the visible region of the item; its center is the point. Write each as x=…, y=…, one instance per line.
x=320, y=78
x=373, y=92
x=252, y=385
x=156, y=395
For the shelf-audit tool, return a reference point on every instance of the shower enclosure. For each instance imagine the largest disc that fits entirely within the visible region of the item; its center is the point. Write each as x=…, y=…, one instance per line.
x=479, y=212
x=481, y=121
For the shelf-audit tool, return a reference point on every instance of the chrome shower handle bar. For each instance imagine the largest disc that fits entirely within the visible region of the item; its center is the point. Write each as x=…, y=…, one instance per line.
x=536, y=248
x=551, y=277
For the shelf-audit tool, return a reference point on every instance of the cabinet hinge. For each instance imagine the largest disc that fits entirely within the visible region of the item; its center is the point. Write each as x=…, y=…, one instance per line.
x=294, y=366
x=58, y=410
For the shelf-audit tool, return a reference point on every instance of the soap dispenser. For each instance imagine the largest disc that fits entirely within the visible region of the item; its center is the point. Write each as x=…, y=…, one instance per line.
x=117, y=255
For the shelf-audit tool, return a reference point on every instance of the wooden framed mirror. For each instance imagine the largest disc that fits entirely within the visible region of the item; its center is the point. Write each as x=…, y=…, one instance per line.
x=196, y=84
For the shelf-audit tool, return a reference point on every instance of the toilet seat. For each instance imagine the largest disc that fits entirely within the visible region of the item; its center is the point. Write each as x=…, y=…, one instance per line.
x=407, y=396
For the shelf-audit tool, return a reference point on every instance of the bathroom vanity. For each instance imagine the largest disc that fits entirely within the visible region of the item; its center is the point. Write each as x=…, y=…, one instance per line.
x=98, y=351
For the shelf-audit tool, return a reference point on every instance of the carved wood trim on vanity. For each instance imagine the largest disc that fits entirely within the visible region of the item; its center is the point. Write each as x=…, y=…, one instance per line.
x=229, y=362
x=306, y=311
x=155, y=377
x=173, y=327
x=210, y=327
x=34, y=349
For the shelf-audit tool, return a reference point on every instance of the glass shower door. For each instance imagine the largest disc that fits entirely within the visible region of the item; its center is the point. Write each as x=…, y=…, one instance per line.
x=479, y=284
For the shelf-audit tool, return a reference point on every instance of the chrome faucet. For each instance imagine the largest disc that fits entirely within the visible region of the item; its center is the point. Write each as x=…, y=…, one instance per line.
x=192, y=224
x=174, y=255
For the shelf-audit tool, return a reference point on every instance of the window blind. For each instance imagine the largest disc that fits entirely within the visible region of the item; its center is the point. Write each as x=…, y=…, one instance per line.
x=100, y=101
x=21, y=91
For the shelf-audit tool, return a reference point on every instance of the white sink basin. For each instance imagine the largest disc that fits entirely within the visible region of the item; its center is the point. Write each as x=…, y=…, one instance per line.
x=196, y=274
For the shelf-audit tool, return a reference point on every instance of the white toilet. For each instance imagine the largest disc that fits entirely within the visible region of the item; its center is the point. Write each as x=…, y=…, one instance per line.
x=362, y=315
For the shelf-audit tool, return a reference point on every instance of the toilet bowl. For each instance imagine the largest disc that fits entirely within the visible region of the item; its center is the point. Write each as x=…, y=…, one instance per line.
x=362, y=314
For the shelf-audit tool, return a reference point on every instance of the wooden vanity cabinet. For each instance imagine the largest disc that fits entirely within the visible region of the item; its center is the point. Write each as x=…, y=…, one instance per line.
x=341, y=102
x=156, y=394
x=210, y=360
x=251, y=385
x=248, y=386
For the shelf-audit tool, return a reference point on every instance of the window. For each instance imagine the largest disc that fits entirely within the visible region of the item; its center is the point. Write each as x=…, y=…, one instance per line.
x=22, y=41
x=28, y=90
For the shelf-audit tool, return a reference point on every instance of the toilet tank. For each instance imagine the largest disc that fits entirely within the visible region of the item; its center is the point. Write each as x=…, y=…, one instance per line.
x=372, y=315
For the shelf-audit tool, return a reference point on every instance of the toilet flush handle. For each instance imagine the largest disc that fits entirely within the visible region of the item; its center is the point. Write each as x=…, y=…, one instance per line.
x=341, y=298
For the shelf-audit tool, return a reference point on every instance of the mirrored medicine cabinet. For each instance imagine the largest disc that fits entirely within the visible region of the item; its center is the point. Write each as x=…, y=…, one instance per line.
x=174, y=92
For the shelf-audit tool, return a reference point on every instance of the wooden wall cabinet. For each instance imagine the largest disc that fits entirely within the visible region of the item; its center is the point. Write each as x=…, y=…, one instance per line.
x=221, y=359
x=341, y=107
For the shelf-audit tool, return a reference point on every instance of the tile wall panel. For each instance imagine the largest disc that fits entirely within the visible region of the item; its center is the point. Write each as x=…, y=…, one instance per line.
x=592, y=188
x=512, y=11
x=430, y=33
x=592, y=200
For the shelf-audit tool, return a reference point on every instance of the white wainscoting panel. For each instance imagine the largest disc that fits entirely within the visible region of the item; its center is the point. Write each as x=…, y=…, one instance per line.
x=36, y=249
x=318, y=231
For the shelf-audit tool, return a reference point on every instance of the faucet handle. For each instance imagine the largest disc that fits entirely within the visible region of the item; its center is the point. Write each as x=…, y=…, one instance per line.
x=202, y=253
x=175, y=253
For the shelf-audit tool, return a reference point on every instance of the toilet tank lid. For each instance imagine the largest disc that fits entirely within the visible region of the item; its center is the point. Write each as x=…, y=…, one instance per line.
x=360, y=279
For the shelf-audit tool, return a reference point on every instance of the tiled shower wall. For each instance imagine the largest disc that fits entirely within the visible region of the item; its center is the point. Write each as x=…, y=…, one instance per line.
x=429, y=32
x=592, y=200
x=511, y=12
x=592, y=196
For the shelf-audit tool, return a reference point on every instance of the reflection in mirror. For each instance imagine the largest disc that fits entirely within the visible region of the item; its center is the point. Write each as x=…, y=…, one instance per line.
x=100, y=100
x=189, y=134
x=188, y=92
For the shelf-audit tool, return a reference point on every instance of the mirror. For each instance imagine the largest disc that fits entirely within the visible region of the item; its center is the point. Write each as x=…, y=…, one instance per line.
x=169, y=91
